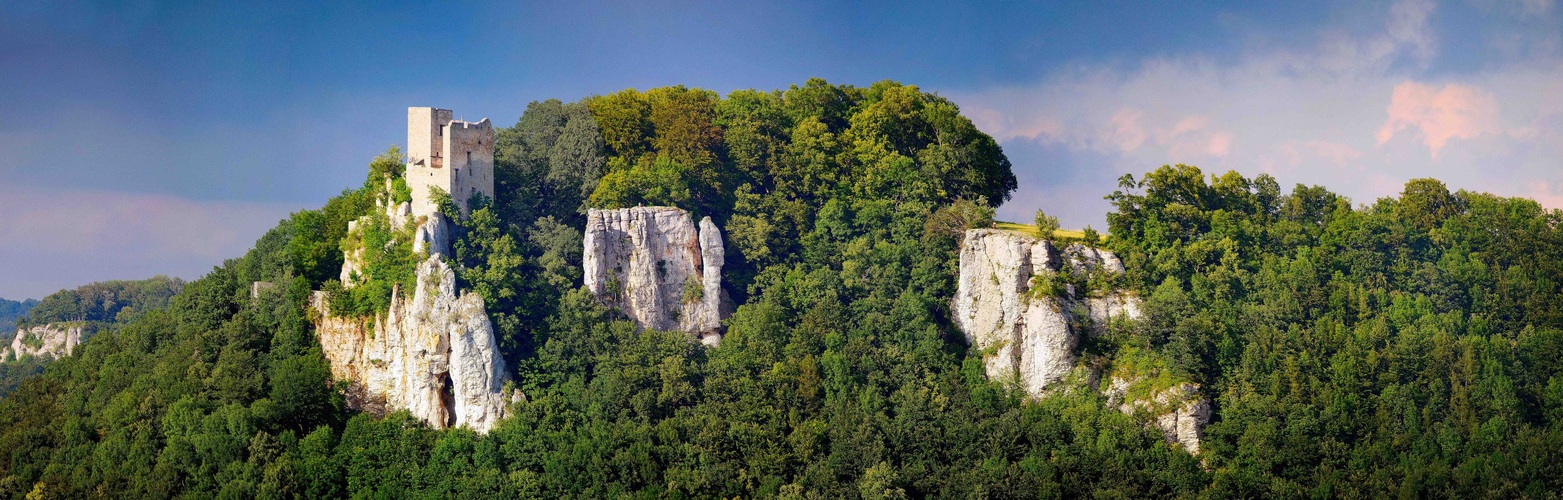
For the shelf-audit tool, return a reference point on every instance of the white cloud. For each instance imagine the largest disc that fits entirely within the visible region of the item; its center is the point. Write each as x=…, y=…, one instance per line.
x=1359, y=114
x=1124, y=130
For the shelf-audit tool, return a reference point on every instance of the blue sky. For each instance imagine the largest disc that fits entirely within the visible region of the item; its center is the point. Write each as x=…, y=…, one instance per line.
x=164, y=137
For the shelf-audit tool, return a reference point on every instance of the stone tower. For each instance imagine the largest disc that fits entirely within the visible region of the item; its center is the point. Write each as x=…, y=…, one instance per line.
x=452, y=155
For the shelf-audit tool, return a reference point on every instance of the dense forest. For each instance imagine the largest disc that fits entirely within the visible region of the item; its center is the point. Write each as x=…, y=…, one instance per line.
x=12, y=373
x=91, y=307
x=1408, y=347
x=103, y=302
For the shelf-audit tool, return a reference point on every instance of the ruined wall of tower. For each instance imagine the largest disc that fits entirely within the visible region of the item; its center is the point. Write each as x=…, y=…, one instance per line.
x=469, y=155
x=452, y=155
x=425, y=158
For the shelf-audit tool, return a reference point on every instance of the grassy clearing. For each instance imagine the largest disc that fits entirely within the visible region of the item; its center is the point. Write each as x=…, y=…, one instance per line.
x=1031, y=230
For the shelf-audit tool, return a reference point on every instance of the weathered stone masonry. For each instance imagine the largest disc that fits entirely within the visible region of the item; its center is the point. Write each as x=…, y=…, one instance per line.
x=452, y=155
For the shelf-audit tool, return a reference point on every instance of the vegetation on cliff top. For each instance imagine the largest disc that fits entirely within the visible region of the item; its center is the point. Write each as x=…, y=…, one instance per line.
x=1407, y=347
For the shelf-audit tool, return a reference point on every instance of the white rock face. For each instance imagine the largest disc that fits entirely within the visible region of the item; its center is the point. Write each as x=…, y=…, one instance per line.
x=435, y=355
x=654, y=265
x=399, y=214
x=1030, y=338
x=1046, y=347
x=54, y=341
x=432, y=237
x=1026, y=336
x=1084, y=259
x=1104, y=310
x=352, y=262
x=1179, y=411
x=996, y=269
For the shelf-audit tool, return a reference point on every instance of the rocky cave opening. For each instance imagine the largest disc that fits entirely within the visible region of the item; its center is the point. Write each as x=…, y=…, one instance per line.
x=448, y=399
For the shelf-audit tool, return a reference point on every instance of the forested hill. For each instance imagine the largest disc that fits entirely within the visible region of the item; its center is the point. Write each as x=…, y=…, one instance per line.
x=10, y=310
x=90, y=308
x=1411, y=346
x=103, y=302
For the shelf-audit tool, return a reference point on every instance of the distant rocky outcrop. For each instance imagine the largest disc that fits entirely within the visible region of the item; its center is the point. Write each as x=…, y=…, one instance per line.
x=55, y=340
x=1180, y=411
x=1007, y=305
x=1016, y=301
x=652, y=264
x=434, y=355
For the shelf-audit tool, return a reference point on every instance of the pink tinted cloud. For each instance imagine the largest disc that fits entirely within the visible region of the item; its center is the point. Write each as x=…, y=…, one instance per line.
x=1124, y=130
x=1003, y=126
x=1548, y=195
x=1453, y=112
x=1220, y=143
x=1187, y=124
x=1191, y=137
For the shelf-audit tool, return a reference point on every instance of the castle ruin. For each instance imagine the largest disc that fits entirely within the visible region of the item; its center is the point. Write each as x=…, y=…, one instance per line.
x=452, y=155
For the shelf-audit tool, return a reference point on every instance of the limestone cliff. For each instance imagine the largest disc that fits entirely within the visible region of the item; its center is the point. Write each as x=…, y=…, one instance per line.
x=1016, y=301
x=654, y=265
x=1006, y=305
x=434, y=355
x=432, y=236
x=52, y=340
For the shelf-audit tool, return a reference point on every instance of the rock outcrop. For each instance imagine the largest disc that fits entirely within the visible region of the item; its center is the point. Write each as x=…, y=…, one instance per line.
x=399, y=214
x=1007, y=304
x=1180, y=411
x=432, y=237
x=434, y=355
x=1017, y=302
x=259, y=288
x=1108, y=308
x=52, y=340
x=1082, y=258
x=654, y=265
x=352, y=262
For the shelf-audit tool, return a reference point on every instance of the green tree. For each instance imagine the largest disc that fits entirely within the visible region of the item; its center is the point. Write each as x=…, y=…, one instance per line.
x=1408, y=347
x=560, y=245
x=1425, y=203
x=1046, y=225
x=301, y=386
x=954, y=220
x=624, y=118
x=662, y=182
x=576, y=159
